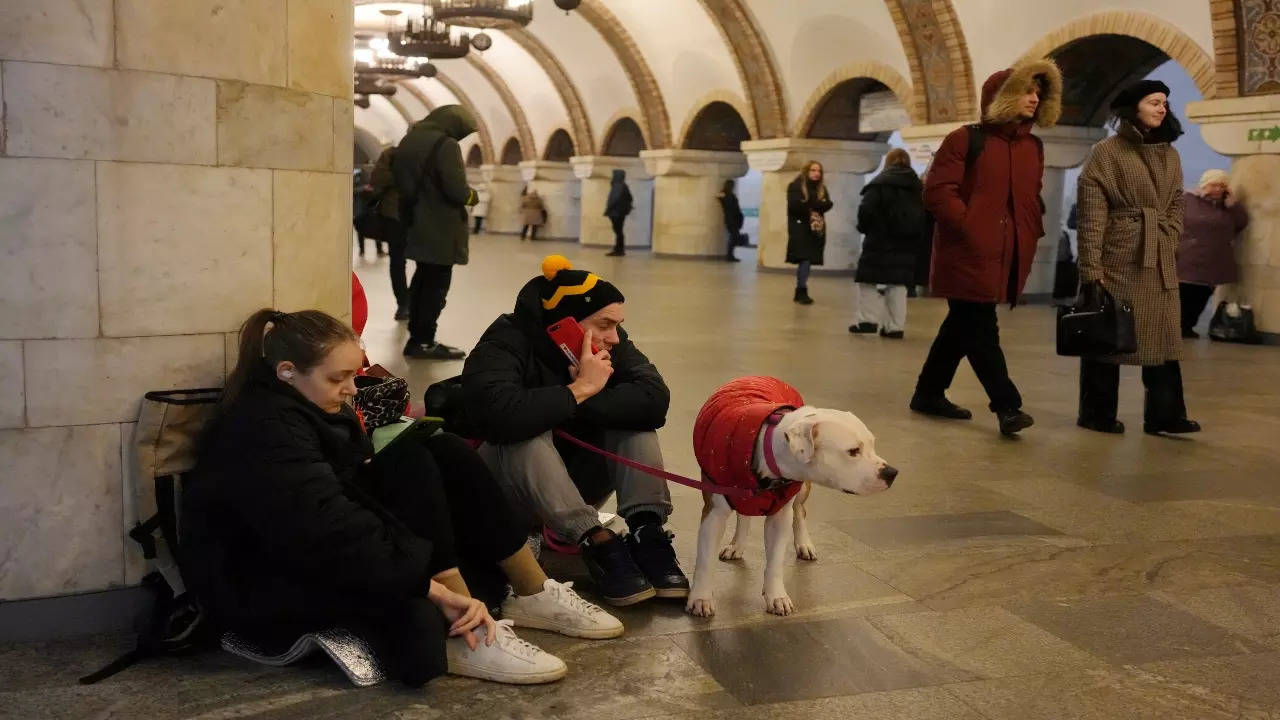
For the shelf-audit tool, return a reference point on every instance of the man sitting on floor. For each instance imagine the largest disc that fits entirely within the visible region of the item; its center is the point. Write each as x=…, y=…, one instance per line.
x=518, y=387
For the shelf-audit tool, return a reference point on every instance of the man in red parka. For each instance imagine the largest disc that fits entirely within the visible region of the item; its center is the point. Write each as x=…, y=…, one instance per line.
x=988, y=217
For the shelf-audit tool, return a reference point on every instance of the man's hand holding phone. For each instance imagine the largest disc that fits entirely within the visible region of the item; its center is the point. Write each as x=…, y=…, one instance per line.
x=592, y=371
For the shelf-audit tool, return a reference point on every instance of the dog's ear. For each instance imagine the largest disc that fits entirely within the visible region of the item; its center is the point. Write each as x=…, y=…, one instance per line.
x=801, y=438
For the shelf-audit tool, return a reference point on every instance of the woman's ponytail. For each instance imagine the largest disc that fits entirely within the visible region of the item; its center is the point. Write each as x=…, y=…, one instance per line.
x=269, y=337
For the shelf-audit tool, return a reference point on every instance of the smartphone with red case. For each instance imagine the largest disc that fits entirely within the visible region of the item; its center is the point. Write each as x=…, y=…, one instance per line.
x=568, y=335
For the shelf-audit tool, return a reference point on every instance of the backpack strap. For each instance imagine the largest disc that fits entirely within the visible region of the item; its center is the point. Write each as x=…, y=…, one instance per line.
x=977, y=139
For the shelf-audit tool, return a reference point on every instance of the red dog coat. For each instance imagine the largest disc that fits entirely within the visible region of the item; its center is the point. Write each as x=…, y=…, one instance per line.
x=724, y=440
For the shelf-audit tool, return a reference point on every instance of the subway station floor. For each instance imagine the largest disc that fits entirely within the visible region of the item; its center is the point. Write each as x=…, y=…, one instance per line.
x=1061, y=574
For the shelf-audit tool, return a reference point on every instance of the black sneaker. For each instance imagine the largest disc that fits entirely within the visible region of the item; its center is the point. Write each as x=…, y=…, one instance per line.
x=616, y=253
x=891, y=334
x=1013, y=421
x=651, y=547
x=432, y=351
x=615, y=574
x=863, y=328
x=1176, y=426
x=939, y=407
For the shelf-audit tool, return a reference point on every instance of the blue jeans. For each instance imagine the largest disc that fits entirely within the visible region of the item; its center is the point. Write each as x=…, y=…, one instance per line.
x=802, y=275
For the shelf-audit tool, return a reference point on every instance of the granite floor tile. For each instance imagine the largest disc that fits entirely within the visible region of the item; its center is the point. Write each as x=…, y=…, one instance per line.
x=914, y=704
x=1133, y=629
x=1251, y=611
x=885, y=533
x=1252, y=678
x=797, y=661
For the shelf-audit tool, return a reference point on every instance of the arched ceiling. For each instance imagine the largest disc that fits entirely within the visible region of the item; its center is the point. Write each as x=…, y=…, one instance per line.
x=661, y=61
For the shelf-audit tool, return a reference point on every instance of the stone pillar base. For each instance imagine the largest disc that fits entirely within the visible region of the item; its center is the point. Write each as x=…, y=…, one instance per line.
x=505, y=185
x=596, y=172
x=687, y=219
x=561, y=196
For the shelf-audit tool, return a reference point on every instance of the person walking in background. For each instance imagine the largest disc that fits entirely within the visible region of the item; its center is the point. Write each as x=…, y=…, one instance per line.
x=807, y=204
x=481, y=209
x=617, y=207
x=362, y=201
x=387, y=208
x=533, y=212
x=892, y=220
x=733, y=217
x=1206, y=254
x=988, y=214
x=1131, y=207
x=434, y=197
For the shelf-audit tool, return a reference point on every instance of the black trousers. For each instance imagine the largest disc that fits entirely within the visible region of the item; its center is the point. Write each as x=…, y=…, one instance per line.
x=970, y=330
x=619, y=242
x=443, y=491
x=398, y=265
x=1100, y=391
x=479, y=220
x=1193, y=298
x=427, y=294
x=530, y=231
x=733, y=241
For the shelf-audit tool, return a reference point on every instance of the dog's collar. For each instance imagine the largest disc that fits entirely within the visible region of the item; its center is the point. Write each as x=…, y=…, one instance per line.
x=770, y=461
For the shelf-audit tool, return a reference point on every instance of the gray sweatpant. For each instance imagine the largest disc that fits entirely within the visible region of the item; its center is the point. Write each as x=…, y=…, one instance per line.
x=539, y=487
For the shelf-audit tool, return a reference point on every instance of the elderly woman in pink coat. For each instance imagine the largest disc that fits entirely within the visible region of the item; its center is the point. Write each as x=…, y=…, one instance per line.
x=1206, y=256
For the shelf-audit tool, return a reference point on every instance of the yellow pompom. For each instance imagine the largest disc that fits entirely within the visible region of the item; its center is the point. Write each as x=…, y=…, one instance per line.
x=553, y=264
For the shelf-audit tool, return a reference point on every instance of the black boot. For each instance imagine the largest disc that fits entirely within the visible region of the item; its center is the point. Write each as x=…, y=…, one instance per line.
x=1166, y=409
x=802, y=296
x=651, y=549
x=613, y=570
x=1013, y=421
x=863, y=328
x=1099, y=396
x=432, y=351
x=939, y=407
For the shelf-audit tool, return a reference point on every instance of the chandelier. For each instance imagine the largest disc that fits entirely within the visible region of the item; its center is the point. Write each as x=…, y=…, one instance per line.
x=495, y=14
x=373, y=56
x=428, y=38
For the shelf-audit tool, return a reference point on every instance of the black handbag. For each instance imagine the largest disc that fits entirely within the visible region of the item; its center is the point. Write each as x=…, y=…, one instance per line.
x=1235, y=329
x=1096, y=325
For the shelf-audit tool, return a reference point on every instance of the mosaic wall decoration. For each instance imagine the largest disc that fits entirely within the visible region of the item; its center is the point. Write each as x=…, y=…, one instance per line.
x=1260, y=47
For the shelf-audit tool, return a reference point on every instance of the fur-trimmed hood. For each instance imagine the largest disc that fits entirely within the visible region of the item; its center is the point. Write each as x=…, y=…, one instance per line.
x=1001, y=91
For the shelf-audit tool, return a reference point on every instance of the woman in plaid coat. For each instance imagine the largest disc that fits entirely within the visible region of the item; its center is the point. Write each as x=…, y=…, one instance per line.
x=1130, y=219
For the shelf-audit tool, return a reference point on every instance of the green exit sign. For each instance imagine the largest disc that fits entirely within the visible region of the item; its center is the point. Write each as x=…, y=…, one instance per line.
x=1259, y=134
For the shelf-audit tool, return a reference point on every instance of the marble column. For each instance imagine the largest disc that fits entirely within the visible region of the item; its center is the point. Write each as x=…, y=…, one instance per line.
x=505, y=185
x=1065, y=147
x=596, y=173
x=687, y=220
x=561, y=196
x=1247, y=129
x=844, y=163
x=165, y=170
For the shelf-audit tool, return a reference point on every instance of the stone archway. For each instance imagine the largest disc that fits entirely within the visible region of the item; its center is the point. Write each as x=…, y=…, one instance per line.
x=624, y=139
x=654, y=117
x=582, y=136
x=1141, y=26
x=512, y=154
x=718, y=124
x=941, y=71
x=475, y=157
x=843, y=80
x=559, y=147
x=756, y=65
x=508, y=99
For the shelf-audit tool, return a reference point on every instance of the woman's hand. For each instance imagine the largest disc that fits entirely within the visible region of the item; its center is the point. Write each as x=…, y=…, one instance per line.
x=466, y=614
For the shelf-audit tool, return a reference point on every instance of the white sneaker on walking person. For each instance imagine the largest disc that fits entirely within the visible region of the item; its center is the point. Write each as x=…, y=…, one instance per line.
x=508, y=660
x=561, y=610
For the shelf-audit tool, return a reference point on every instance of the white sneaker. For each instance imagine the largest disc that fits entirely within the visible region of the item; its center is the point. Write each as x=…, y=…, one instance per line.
x=508, y=660
x=559, y=609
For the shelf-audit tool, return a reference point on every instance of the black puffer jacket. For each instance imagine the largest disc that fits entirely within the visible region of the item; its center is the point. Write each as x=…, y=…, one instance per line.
x=272, y=518
x=515, y=384
x=894, y=224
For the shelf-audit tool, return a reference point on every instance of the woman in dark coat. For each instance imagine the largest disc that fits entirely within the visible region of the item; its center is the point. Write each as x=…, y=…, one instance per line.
x=617, y=208
x=733, y=217
x=291, y=524
x=1206, y=253
x=807, y=203
x=893, y=223
x=1130, y=218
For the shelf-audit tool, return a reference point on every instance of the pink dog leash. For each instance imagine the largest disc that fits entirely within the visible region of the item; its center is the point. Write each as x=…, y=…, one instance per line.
x=658, y=472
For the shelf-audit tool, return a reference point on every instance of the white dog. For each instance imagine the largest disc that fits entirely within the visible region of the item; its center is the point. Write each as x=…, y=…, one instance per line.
x=790, y=452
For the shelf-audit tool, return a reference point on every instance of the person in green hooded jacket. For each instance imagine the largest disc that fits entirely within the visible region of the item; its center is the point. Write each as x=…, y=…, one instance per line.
x=434, y=197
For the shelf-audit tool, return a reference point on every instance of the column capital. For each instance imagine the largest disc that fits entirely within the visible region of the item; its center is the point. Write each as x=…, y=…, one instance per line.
x=602, y=166
x=922, y=141
x=1239, y=126
x=501, y=173
x=1066, y=146
x=694, y=163
x=786, y=154
x=532, y=170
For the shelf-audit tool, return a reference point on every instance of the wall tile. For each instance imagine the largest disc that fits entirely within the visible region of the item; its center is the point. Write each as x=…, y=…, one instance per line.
x=312, y=241
x=344, y=128
x=13, y=401
x=182, y=249
x=231, y=39
x=60, y=509
x=320, y=46
x=269, y=127
x=48, y=249
x=74, y=112
x=102, y=380
x=73, y=32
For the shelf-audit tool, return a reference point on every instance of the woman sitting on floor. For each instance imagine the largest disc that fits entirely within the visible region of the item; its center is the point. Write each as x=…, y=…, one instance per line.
x=291, y=524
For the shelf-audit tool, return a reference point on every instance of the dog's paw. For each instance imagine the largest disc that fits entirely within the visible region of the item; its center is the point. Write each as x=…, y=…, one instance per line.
x=781, y=605
x=701, y=607
x=805, y=551
x=730, y=552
